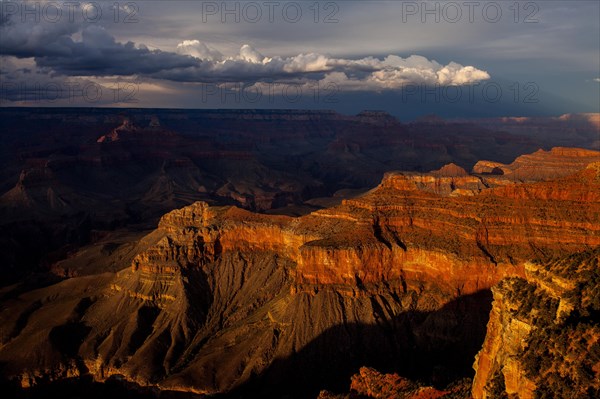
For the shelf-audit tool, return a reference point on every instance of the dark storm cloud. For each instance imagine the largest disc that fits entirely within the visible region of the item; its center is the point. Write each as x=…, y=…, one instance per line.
x=99, y=54
x=52, y=46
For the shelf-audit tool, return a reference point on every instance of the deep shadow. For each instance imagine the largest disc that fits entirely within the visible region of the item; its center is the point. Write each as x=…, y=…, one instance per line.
x=146, y=316
x=85, y=388
x=431, y=347
x=435, y=348
x=67, y=338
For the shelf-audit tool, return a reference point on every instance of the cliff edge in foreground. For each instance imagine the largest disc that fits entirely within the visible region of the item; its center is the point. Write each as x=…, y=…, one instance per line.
x=543, y=337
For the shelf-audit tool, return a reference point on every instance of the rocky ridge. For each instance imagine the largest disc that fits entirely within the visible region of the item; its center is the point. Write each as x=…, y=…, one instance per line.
x=540, y=165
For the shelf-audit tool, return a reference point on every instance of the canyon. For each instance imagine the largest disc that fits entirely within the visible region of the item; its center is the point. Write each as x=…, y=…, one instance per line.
x=402, y=279
x=75, y=177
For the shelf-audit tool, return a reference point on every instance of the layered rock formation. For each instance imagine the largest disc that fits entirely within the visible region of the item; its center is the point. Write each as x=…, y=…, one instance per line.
x=220, y=299
x=67, y=175
x=542, y=341
x=557, y=162
x=543, y=337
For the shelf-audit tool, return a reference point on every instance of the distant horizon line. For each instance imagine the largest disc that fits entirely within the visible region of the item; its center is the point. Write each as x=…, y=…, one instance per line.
x=279, y=110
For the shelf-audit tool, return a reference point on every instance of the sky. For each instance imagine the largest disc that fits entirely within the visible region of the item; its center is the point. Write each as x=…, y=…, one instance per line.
x=409, y=58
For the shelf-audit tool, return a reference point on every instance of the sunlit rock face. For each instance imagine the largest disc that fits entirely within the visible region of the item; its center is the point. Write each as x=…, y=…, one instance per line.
x=540, y=165
x=543, y=337
x=220, y=299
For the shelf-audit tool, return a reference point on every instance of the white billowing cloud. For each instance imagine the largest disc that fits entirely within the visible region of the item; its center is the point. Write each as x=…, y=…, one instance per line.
x=200, y=50
x=456, y=74
x=307, y=63
x=414, y=62
x=395, y=72
x=597, y=80
x=250, y=54
x=369, y=73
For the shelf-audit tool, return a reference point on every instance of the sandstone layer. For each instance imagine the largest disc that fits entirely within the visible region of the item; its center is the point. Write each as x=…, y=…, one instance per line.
x=557, y=162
